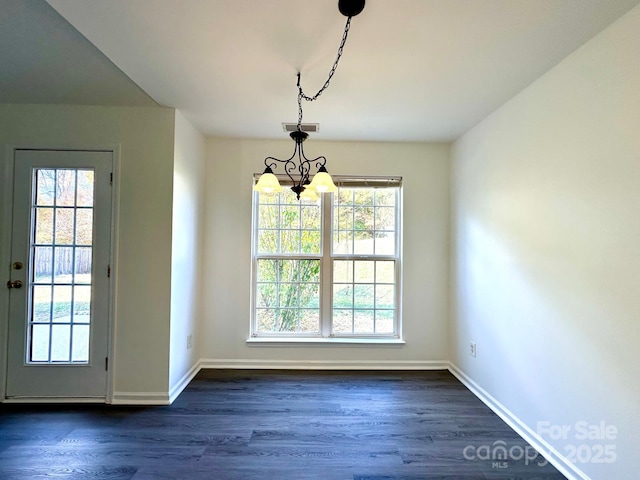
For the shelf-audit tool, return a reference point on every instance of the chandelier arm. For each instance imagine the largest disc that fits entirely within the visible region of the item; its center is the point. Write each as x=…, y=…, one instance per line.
x=320, y=161
x=305, y=166
x=289, y=164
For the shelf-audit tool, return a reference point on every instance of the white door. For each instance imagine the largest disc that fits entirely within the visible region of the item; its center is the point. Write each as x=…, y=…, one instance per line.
x=59, y=287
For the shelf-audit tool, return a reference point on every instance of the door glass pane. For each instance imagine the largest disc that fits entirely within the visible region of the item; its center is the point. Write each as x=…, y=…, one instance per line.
x=84, y=226
x=44, y=226
x=64, y=226
x=42, y=264
x=40, y=343
x=65, y=188
x=82, y=265
x=60, y=340
x=60, y=289
x=85, y=188
x=45, y=187
x=41, y=304
x=80, y=343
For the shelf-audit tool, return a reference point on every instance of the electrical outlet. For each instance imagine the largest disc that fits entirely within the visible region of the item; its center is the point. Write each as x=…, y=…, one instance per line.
x=189, y=341
x=472, y=349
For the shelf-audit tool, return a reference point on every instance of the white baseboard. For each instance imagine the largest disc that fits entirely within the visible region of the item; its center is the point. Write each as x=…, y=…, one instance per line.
x=215, y=363
x=140, y=398
x=177, y=389
x=564, y=466
x=50, y=400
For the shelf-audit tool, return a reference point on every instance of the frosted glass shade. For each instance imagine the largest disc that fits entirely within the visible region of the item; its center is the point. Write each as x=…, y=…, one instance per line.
x=310, y=193
x=322, y=182
x=268, y=183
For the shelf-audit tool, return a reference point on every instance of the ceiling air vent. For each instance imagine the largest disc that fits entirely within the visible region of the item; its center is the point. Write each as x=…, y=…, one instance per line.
x=305, y=127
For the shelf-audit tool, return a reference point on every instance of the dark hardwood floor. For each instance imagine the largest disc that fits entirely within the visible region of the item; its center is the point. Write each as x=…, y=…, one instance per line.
x=239, y=424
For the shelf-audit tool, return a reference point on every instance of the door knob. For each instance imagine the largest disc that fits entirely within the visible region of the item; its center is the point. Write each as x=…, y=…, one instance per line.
x=14, y=284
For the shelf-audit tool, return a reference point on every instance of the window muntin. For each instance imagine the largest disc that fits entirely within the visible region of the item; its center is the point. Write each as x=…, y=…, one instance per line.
x=329, y=268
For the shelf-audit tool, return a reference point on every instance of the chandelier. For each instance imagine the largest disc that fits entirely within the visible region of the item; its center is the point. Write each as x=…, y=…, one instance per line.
x=298, y=167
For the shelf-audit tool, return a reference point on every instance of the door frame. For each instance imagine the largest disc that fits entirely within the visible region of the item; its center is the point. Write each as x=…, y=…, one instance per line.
x=6, y=221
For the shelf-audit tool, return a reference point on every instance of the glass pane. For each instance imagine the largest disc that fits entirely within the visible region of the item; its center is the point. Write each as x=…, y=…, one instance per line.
x=42, y=264
x=342, y=321
x=82, y=304
x=80, y=344
x=363, y=321
x=267, y=270
x=309, y=271
x=266, y=295
x=385, y=197
x=385, y=272
x=64, y=226
x=309, y=295
x=41, y=298
x=290, y=241
x=63, y=272
x=289, y=295
x=85, y=188
x=363, y=196
x=310, y=321
x=343, y=243
x=342, y=296
x=363, y=218
x=45, y=187
x=82, y=265
x=62, y=304
x=384, y=321
x=44, y=226
x=342, y=271
x=343, y=218
x=40, y=343
x=66, y=188
x=345, y=196
x=267, y=241
x=84, y=226
x=311, y=241
x=310, y=217
x=60, y=340
x=385, y=218
x=288, y=320
x=266, y=320
x=363, y=296
x=290, y=217
x=363, y=243
x=385, y=243
x=385, y=296
x=364, y=272
x=268, y=216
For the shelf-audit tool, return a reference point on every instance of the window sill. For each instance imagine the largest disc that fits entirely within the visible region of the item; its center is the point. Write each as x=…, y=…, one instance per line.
x=283, y=342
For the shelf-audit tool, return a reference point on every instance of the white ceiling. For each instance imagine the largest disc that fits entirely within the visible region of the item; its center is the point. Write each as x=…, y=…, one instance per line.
x=412, y=70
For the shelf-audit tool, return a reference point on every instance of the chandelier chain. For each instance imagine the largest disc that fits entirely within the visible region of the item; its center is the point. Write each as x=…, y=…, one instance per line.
x=302, y=95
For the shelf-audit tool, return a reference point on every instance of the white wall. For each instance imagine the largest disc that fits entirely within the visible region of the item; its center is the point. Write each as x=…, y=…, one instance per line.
x=144, y=183
x=188, y=201
x=230, y=166
x=546, y=236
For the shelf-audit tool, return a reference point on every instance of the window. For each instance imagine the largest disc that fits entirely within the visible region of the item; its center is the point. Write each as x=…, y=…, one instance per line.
x=329, y=268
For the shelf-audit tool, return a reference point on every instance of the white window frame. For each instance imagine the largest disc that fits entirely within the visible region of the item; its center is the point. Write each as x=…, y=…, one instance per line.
x=326, y=258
